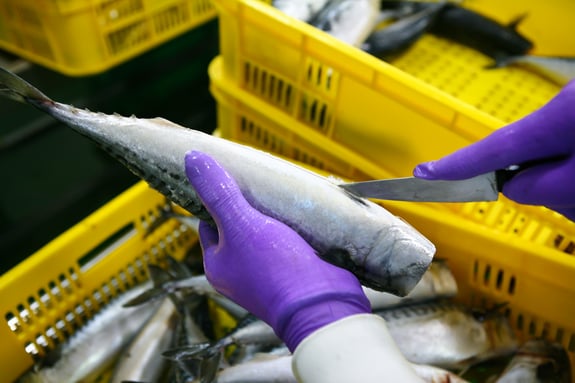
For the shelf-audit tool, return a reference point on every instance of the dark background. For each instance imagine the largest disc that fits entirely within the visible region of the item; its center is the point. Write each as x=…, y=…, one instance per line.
x=51, y=177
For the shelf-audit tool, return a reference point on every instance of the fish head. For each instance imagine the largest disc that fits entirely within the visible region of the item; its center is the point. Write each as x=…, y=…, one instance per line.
x=405, y=259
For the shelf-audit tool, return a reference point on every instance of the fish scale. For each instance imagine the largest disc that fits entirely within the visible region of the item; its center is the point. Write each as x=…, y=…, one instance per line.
x=382, y=250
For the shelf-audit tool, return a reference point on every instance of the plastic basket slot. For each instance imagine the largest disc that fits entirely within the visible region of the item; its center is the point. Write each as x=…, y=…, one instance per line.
x=38, y=44
x=113, y=11
x=201, y=7
x=493, y=278
x=28, y=18
x=563, y=242
x=128, y=38
x=171, y=18
x=321, y=78
x=269, y=86
x=108, y=245
x=316, y=113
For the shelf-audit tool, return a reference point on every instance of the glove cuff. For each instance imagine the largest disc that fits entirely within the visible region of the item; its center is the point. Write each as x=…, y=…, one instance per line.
x=305, y=316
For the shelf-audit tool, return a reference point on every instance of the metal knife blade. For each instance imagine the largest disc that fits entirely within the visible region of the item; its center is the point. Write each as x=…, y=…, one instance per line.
x=484, y=187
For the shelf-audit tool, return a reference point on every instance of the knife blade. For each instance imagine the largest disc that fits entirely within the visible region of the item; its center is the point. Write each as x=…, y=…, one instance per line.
x=484, y=187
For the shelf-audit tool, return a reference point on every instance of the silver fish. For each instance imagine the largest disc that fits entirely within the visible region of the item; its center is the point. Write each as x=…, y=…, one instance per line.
x=557, y=69
x=383, y=251
x=262, y=368
x=303, y=10
x=437, y=282
x=538, y=361
x=198, y=284
x=94, y=348
x=142, y=360
x=350, y=21
x=447, y=335
x=431, y=374
x=250, y=331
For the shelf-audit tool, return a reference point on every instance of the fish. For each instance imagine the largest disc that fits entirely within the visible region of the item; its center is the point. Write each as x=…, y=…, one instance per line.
x=263, y=368
x=142, y=360
x=391, y=41
x=383, y=251
x=559, y=70
x=266, y=368
x=432, y=374
x=249, y=331
x=95, y=347
x=350, y=21
x=199, y=284
x=538, y=361
x=188, y=331
x=447, y=335
x=437, y=282
x=480, y=32
x=303, y=10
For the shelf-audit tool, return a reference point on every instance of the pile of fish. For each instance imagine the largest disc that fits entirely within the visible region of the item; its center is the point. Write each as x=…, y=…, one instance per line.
x=388, y=28
x=170, y=338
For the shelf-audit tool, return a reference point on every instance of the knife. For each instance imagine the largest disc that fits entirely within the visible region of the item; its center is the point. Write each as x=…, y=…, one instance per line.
x=484, y=187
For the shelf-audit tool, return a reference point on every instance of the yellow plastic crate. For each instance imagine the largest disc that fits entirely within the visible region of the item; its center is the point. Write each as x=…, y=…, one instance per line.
x=499, y=251
x=57, y=289
x=82, y=37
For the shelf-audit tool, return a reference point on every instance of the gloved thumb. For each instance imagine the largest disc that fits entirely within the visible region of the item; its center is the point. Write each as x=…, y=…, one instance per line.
x=217, y=189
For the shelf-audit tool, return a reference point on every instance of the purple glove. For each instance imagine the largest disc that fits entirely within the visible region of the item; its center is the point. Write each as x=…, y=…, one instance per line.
x=543, y=142
x=263, y=265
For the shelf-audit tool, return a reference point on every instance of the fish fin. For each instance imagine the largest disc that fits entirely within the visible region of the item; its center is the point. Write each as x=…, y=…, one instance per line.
x=158, y=275
x=501, y=61
x=147, y=296
x=178, y=269
x=513, y=24
x=16, y=88
x=200, y=360
x=485, y=314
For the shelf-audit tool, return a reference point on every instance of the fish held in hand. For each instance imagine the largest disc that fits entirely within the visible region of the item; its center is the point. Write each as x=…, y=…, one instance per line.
x=383, y=251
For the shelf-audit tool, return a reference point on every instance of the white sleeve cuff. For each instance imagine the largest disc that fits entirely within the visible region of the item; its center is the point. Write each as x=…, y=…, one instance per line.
x=357, y=348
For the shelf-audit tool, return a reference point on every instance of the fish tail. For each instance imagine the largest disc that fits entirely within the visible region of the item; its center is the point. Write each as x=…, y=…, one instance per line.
x=200, y=360
x=16, y=88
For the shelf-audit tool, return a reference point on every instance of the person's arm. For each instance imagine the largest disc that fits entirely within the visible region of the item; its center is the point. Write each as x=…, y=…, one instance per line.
x=542, y=143
x=312, y=305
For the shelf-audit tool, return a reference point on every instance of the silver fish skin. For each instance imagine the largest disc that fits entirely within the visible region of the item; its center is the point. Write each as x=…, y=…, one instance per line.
x=262, y=368
x=437, y=282
x=198, y=284
x=350, y=21
x=538, y=361
x=142, y=360
x=431, y=374
x=446, y=335
x=382, y=250
x=559, y=70
x=249, y=331
x=95, y=347
x=303, y=10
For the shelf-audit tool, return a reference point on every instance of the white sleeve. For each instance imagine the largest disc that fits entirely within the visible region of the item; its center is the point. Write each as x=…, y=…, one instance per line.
x=357, y=348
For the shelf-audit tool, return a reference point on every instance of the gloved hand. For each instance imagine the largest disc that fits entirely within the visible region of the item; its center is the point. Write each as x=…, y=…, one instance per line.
x=543, y=142
x=263, y=265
